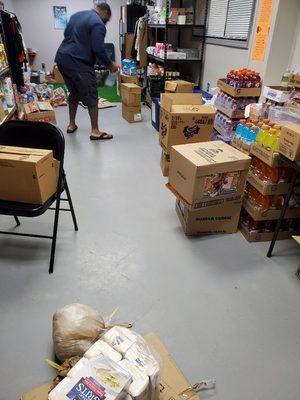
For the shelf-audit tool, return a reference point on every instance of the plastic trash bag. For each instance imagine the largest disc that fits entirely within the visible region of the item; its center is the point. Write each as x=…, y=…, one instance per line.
x=75, y=328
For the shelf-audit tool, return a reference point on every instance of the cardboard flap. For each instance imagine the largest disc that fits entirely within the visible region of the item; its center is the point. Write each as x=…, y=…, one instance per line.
x=24, y=151
x=171, y=99
x=131, y=87
x=193, y=109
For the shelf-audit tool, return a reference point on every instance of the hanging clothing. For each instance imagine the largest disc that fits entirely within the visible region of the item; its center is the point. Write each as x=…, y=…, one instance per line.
x=142, y=39
x=16, y=54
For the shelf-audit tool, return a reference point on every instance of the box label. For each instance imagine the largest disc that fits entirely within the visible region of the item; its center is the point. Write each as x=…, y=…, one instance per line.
x=87, y=389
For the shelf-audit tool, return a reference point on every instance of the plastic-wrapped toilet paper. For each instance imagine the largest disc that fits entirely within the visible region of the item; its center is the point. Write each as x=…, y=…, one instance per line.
x=139, y=387
x=102, y=348
x=121, y=339
x=140, y=355
x=94, y=379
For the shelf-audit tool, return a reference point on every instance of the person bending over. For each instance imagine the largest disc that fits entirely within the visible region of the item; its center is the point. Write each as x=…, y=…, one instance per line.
x=82, y=46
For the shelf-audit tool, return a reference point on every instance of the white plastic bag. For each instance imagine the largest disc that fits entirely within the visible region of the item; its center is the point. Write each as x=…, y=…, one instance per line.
x=76, y=327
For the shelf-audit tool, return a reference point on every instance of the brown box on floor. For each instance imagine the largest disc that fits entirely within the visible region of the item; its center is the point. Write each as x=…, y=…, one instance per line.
x=131, y=114
x=27, y=175
x=165, y=163
x=209, y=220
x=208, y=173
x=184, y=120
x=131, y=94
x=172, y=380
x=40, y=111
x=179, y=86
x=289, y=142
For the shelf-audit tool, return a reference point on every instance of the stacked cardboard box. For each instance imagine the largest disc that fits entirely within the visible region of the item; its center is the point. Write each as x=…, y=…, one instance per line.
x=131, y=102
x=183, y=120
x=234, y=115
x=208, y=180
x=289, y=143
x=258, y=222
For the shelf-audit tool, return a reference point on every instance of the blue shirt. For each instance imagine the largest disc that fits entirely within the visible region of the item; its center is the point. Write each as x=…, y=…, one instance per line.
x=83, y=43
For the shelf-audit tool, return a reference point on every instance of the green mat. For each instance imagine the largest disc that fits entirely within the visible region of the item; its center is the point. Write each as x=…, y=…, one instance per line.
x=106, y=92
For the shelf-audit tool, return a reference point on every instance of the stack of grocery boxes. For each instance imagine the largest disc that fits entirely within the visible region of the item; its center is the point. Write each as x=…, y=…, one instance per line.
x=268, y=183
x=183, y=119
x=131, y=102
x=208, y=180
x=234, y=95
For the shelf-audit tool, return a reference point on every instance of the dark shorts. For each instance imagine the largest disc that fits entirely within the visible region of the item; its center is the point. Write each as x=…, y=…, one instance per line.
x=81, y=85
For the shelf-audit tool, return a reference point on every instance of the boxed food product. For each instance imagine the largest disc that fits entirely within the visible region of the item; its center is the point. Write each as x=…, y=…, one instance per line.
x=239, y=91
x=280, y=94
x=40, y=111
x=208, y=173
x=289, y=142
x=131, y=113
x=184, y=120
x=209, y=220
x=131, y=94
x=165, y=163
x=27, y=175
x=179, y=86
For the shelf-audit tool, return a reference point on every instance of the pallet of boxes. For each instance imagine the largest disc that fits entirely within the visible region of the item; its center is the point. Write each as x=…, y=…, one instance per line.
x=183, y=119
x=131, y=102
x=268, y=183
x=231, y=102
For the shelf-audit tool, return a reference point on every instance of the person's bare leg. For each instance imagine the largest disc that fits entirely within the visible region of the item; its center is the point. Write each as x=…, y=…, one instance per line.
x=72, y=115
x=93, y=112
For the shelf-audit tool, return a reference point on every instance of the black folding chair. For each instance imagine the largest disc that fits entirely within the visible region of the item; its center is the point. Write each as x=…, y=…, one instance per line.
x=39, y=135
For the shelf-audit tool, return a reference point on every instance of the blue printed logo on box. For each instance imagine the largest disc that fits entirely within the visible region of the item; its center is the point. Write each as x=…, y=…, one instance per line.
x=87, y=389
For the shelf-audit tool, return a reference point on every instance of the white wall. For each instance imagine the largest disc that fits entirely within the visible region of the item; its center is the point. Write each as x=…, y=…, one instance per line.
x=220, y=59
x=36, y=18
x=295, y=53
x=8, y=4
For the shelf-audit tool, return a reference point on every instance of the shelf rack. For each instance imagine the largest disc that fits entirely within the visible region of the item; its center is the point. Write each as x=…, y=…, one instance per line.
x=200, y=37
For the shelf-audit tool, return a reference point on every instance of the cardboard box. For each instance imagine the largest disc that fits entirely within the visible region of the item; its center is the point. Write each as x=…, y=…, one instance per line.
x=40, y=111
x=172, y=380
x=263, y=236
x=239, y=92
x=131, y=94
x=280, y=94
x=269, y=215
x=127, y=79
x=289, y=142
x=179, y=86
x=58, y=78
x=267, y=188
x=204, y=173
x=210, y=220
x=131, y=114
x=241, y=146
x=297, y=238
x=230, y=112
x=184, y=120
x=268, y=157
x=165, y=163
x=295, y=81
x=27, y=175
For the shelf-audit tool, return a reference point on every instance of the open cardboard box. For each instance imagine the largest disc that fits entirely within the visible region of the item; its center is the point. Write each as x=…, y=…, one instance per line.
x=263, y=236
x=269, y=215
x=280, y=94
x=267, y=156
x=267, y=188
x=239, y=92
x=172, y=380
x=184, y=120
x=179, y=86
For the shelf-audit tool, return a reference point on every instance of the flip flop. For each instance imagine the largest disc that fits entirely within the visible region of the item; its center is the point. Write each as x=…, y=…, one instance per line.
x=103, y=136
x=72, y=130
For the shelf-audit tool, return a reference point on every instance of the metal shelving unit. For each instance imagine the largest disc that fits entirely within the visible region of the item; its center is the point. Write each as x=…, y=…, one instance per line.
x=200, y=37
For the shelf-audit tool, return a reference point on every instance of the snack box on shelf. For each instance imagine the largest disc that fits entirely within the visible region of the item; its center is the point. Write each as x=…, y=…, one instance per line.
x=265, y=155
x=238, y=92
x=230, y=112
x=267, y=188
x=252, y=236
x=268, y=215
x=280, y=94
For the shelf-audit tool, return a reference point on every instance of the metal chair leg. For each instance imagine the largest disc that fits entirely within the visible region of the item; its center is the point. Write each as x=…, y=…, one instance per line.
x=71, y=205
x=53, y=247
x=282, y=214
x=17, y=220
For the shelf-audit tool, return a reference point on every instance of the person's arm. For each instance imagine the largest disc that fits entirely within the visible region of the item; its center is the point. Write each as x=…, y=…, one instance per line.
x=97, y=37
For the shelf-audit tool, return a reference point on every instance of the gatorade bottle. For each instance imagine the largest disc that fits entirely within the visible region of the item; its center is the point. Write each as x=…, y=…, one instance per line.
x=269, y=174
x=247, y=132
x=272, y=140
x=240, y=128
x=262, y=134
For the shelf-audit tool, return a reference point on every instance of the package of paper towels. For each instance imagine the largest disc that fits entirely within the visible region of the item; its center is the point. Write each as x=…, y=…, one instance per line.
x=138, y=389
x=96, y=379
x=102, y=348
x=120, y=338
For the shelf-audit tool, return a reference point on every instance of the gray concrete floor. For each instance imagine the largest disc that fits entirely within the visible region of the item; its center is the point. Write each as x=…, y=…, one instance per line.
x=222, y=308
